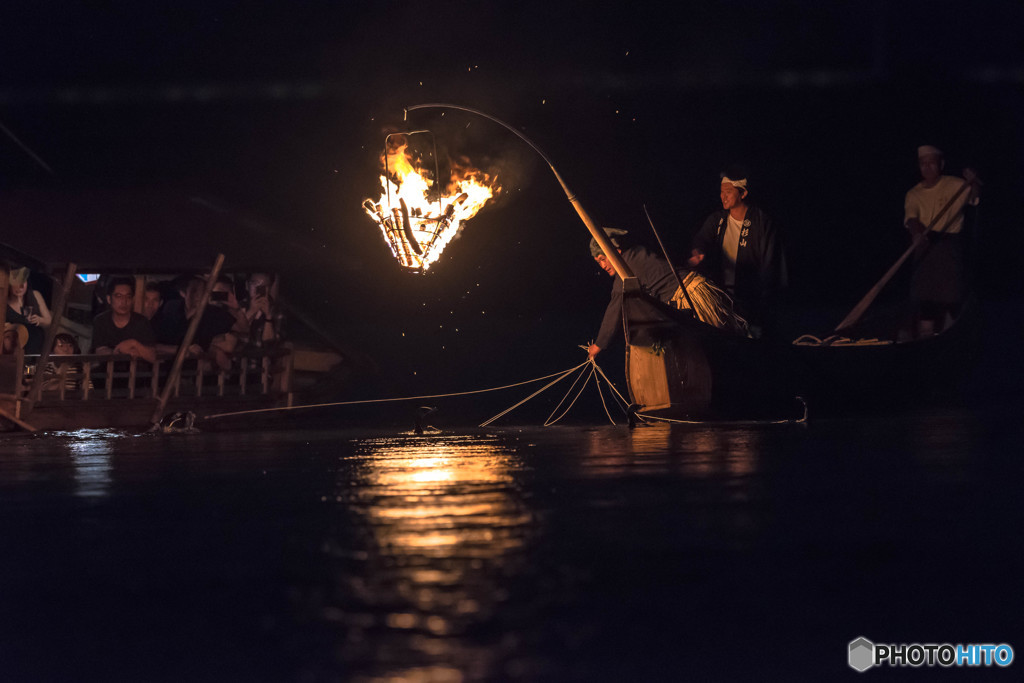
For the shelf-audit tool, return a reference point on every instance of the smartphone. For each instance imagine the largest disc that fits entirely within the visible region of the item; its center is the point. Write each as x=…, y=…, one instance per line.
x=261, y=290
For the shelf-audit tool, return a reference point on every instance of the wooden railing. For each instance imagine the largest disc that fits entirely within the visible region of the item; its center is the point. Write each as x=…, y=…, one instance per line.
x=97, y=377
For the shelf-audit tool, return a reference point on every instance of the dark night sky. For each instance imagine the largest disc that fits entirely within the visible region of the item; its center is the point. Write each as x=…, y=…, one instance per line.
x=281, y=108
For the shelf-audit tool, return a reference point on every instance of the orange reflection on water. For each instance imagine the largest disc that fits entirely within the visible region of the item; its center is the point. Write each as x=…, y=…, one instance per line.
x=447, y=527
x=666, y=448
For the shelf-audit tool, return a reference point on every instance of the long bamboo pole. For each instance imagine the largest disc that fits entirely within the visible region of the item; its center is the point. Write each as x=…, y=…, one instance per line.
x=858, y=310
x=599, y=235
x=190, y=333
x=4, y=284
x=60, y=304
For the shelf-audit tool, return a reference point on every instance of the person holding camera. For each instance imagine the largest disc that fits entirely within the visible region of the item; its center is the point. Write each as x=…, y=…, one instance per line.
x=260, y=311
x=214, y=333
x=27, y=307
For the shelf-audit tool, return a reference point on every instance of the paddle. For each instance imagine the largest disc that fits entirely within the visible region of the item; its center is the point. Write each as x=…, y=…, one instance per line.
x=858, y=310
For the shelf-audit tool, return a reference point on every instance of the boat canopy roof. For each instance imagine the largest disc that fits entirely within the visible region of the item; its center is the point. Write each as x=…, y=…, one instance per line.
x=144, y=231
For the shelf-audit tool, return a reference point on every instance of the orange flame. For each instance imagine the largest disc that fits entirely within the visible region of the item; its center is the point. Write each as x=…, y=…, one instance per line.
x=417, y=220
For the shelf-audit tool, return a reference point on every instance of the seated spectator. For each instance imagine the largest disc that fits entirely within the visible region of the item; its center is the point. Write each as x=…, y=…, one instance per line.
x=152, y=300
x=57, y=373
x=260, y=311
x=221, y=320
x=214, y=333
x=27, y=307
x=15, y=337
x=120, y=330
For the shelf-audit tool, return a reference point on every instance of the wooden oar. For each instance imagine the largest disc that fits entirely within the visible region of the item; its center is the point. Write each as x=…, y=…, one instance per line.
x=858, y=310
x=190, y=333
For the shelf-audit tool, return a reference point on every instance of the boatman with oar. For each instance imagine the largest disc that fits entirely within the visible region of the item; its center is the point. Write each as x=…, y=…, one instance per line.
x=711, y=305
x=935, y=208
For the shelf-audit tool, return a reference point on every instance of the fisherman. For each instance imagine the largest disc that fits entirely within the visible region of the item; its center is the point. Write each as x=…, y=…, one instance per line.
x=656, y=278
x=937, y=287
x=740, y=250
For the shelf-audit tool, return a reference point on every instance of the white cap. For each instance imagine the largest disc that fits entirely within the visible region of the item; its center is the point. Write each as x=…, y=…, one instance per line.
x=927, y=150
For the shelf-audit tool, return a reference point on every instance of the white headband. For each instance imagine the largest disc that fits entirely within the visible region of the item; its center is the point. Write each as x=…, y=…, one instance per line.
x=741, y=183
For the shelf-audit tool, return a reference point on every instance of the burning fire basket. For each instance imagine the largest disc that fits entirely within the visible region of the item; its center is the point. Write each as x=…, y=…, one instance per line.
x=417, y=216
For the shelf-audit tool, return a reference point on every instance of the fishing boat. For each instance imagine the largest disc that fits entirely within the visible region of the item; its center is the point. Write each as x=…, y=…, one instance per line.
x=47, y=392
x=679, y=368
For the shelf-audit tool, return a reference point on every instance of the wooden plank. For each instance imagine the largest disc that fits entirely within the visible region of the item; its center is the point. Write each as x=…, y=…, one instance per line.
x=132, y=370
x=5, y=282
x=7, y=415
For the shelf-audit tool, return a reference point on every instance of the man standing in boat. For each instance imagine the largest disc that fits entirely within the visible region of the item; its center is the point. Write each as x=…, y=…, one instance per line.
x=656, y=278
x=935, y=208
x=739, y=249
x=120, y=330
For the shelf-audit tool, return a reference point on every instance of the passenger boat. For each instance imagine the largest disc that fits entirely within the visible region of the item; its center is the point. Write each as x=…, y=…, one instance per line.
x=98, y=391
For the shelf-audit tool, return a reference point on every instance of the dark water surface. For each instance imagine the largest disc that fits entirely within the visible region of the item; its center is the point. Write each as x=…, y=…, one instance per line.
x=532, y=554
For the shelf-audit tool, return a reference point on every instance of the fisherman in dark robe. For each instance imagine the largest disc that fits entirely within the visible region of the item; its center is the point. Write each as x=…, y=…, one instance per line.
x=656, y=278
x=739, y=249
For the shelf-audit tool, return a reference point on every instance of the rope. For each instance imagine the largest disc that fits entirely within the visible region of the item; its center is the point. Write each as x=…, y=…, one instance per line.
x=734, y=423
x=838, y=340
x=405, y=398
x=536, y=393
x=603, y=404
x=595, y=371
x=621, y=397
x=549, y=421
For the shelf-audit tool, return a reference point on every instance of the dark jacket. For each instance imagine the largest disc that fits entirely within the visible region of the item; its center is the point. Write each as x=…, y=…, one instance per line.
x=655, y=278
x=760, y=261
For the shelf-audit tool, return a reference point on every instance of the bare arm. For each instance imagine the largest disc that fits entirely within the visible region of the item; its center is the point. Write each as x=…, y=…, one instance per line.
x=43, y=317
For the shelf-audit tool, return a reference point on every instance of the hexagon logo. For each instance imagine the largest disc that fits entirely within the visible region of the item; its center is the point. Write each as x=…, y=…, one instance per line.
x=862, y=654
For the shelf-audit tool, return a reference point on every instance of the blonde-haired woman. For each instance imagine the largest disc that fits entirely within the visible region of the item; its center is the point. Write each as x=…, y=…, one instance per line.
x=27, y=307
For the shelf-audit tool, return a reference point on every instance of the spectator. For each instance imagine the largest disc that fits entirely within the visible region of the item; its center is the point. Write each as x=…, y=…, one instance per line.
x=120, y=330
x=15, y=337
x=152, y=300
x=214, y=332
x=56, y=373
x=27, y=307
x=260, y=313
x=221, y=321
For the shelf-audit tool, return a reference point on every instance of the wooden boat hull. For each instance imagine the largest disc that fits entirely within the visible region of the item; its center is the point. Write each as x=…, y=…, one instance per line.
x=103, y=396
x=680, y=368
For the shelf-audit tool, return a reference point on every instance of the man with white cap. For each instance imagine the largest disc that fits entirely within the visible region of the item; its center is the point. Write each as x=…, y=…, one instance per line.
x=740, y=250
x=935, y=207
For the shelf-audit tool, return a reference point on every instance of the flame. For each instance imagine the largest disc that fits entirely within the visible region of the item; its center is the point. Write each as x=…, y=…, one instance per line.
x=417, y=220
